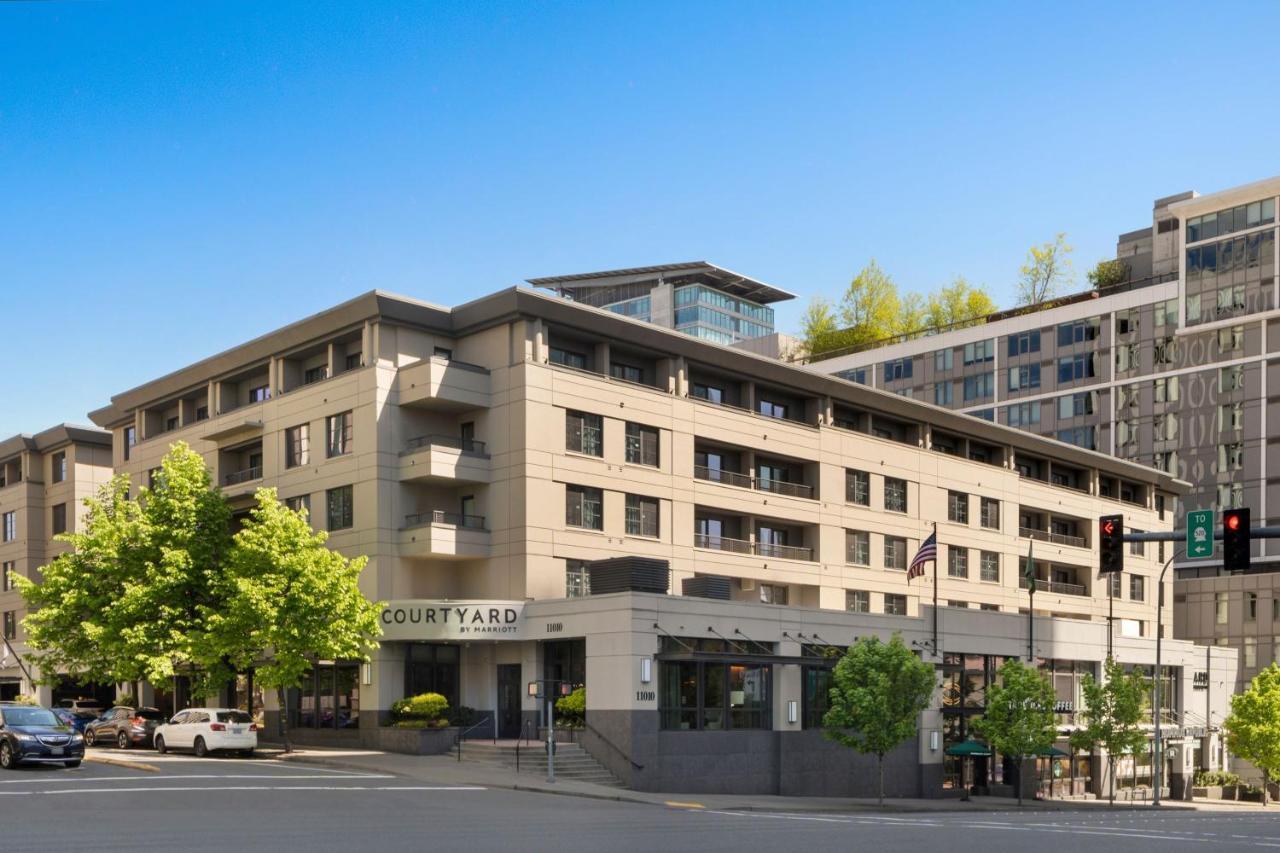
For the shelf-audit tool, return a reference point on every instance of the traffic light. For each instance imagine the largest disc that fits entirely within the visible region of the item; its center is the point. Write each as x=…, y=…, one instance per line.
x=1111, y=544
x=1235, y=540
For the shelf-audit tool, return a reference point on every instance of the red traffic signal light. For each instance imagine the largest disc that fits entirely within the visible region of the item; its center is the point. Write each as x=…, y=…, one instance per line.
x=1235, y=540
x=1231, y=521
x=1108, y=526
x=1111, y=544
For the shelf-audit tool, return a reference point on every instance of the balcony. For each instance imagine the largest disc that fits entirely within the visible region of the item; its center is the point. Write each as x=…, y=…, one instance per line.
x=1056, y=538
x=444, y=535
x=759, y=549
x=444, y=457
x=1054, y=587
x=235, y=478
x=746, y=481
x=443, y=384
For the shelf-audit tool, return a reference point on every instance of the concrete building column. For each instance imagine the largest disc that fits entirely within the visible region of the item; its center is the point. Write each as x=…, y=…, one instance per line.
x=788, y=686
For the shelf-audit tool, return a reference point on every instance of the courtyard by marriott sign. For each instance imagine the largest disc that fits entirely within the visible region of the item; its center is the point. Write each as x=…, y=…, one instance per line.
x=452, y=620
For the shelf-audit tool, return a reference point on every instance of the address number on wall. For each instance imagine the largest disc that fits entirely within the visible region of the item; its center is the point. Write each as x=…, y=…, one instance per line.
x=646, y=696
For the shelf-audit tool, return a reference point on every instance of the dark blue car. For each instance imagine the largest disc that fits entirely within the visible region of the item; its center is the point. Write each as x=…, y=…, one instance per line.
x=30, y=735
x=77, y=720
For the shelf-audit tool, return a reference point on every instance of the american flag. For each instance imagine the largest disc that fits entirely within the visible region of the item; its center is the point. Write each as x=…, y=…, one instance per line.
x=928, y=551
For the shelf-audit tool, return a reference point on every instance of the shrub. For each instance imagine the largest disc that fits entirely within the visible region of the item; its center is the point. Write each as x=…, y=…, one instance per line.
x=462, y=716
x=425, y=706
x=128, y=700
x=571, y=710
x=25, y=699
x=421, y=724
x=1216, y=778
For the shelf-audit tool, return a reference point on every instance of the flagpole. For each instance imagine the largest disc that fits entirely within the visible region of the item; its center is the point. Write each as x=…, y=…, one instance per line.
x=937, y=652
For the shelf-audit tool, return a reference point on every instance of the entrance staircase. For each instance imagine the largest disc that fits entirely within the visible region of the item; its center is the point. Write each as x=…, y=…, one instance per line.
x=572, y=761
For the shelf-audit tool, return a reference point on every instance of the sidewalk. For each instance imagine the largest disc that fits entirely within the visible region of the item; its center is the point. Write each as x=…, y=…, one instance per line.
x=447, y=770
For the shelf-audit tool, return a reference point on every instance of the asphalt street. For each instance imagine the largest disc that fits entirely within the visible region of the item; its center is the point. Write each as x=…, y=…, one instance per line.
x=230, y=804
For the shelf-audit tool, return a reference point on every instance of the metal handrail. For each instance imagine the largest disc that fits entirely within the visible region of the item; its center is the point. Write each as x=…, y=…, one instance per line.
x=457, y=740
x=637, y=765
x=720, y=475
x=782, y=487
x=721, y=543
x=1055, y=538
x=1054, y=586
x=466, y=445
x=235, y=477
x=438, y=516
x=784, y=552
x=760, y=549
x=524, y=731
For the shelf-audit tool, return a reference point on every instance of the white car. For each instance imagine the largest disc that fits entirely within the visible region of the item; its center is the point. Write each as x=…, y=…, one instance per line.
x=206, y=730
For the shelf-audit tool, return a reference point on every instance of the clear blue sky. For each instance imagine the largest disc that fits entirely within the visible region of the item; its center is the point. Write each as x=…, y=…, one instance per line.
x=175, y=180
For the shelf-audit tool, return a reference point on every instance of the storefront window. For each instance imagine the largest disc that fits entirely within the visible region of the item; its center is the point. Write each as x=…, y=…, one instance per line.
x=714, y=695
x=432, y=668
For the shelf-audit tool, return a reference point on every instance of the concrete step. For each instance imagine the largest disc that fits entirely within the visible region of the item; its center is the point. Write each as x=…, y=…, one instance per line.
x=572, y=761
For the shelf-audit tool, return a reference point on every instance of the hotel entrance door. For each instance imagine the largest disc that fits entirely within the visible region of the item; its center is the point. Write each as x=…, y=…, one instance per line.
x=509, y=700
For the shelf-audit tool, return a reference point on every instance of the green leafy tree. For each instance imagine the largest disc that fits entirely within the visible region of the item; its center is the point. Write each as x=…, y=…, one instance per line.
x=287, y=600
x=871, y=308
x=1112, y=715
x=572, y=709
x=879, y=690
x=1253, y=728
x=1047, y=271
x=958, y=304
x=913, y=311
x=1018, y=719
x=1108, y=273
x=820, y=329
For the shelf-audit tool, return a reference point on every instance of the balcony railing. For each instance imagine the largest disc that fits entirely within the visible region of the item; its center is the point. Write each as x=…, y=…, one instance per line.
x=236, y=477
x=437, y=516
x=746, y=481
x=760, y=549
x=466, y=445
x=1054, y=586
x=1055, y=538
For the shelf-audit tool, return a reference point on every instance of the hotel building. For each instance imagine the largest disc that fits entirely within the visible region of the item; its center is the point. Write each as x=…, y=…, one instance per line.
x=739, y=516
x=44, y=479
x=1177, y=368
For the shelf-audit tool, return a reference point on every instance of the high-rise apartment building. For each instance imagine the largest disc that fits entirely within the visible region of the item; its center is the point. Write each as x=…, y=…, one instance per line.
x=551, y=492
x=44, y=479
x=1177, y=368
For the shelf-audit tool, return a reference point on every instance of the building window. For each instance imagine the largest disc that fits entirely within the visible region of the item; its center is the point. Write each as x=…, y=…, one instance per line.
x=642, y=445
x=1230, y=495
x=944, y=359
x=958, y=507
x=1250, y=652
x=957, y=562
x=1231, y=378
x=895, y=494
x=352, y=361
x=979, y=351
x=1251, y=607
x=978, y=387
x=990, y=509
x=6, y=575
x=1231, y=417
x=297, y=445
x=338, y=434
x=857, y=547
x=1025, y=342
x=59, y=473
x=10, y=520
x=1075, y=405
x=857, y=487
x=1128, y=357
x=1079, y=436
x=1026, y=376
x=642, y=516
x=259, y=394
x=584, y=433
x=1023, y=414
x=568, y=358
x=1137, y=588
x=771, y=593
x=10, y=625
x=772, y=409
x=1231, y=456
x=1137, y=549
x=577, y=580
x=59, y=519
x=895, y=604
x=1079, y=332
x=857, y=601
x=895, y=553
x=627, y=372
x=315, y=374
x=1166, y=390
x=710, y=393
x=899, y=368
x=1230, y=340
x=130, y=440
x=202, y=413
x=989, y=566
x=1220, y=605
x=299, y=503
x=714, y=696
x=1074, y=367
x=584, y=507
x=340, y=508
x=943, y=394
x=994, y=608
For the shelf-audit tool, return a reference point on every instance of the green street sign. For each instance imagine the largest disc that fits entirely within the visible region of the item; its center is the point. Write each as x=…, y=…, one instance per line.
x=1200, y=534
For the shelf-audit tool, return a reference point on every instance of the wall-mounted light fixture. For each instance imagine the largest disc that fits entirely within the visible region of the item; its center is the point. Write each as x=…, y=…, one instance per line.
x=933, y=740
x=366, y=674
x=793, y=713
x=646, y=670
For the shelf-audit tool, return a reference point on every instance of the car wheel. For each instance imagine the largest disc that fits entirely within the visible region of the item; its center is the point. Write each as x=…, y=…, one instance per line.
x=7, y=759
x=246, y=753
x=89, y=737
x=122, y=741
x=200, y=748
x=71, y=765
x=160, y=745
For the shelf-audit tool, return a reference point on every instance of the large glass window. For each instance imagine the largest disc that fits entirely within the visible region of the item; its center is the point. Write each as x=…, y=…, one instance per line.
x=568, y=358
x=957, y=562
x=989, y=567
x=297, y=445
x=432, y=668
x=899, y=368
x=1025, y=342
x=857, y=601
x=642, y=516
x=340, y=508
x=577, y=580
x=958, y=507
x=895, y=604
x=857, y=547
x=857, y=487
x=895, y=494
x=642, y=445
x=895, y=553
x=990, y=513
x=584, y=433
x=714, y=696
x=584, y=507
x=338, y=433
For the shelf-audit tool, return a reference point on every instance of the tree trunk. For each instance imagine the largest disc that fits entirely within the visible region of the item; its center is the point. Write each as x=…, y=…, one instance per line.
x=1020, y=764
x=1111, y=763
x=880, y=766
x=281, y=695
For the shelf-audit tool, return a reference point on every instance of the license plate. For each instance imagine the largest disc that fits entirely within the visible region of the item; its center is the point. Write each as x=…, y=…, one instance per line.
x=237, y=730
x=56, y=750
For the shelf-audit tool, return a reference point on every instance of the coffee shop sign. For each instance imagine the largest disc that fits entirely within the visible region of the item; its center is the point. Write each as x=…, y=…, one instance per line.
x=452, y=620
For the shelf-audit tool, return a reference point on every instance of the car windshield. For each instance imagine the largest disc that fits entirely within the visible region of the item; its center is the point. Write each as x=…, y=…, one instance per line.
x=30, y=717
x=234, y=717
x=149, y=714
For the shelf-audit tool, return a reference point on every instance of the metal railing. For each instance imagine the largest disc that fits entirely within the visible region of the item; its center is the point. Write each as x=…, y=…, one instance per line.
x=438, y=516
x=760, y=549
x=458, y=738
x=235, y=477
x=637, y=765
x=747, y=481
x=1054, y=587
x=719, y=475
x=524, y=733
x=1056, y=538
x=466, y=445
x=782, y=487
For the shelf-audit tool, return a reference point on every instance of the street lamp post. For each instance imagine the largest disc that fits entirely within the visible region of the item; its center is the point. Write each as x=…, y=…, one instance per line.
x=1157, y=764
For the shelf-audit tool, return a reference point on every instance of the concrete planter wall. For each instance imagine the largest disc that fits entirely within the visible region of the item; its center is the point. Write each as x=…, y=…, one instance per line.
x=414, y=741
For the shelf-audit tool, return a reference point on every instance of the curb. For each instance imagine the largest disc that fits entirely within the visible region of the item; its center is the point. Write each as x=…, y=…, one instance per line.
x=122, y=762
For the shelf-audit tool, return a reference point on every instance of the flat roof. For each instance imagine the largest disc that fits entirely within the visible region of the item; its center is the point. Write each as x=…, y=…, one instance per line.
x=54, y=437
x=726, y=279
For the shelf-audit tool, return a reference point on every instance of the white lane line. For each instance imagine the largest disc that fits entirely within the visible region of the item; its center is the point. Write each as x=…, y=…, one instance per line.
x=54, y=780
x=201, y=788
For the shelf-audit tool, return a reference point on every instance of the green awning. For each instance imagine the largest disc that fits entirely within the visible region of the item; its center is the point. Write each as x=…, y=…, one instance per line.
x=1054, y=752
x=972, y=748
